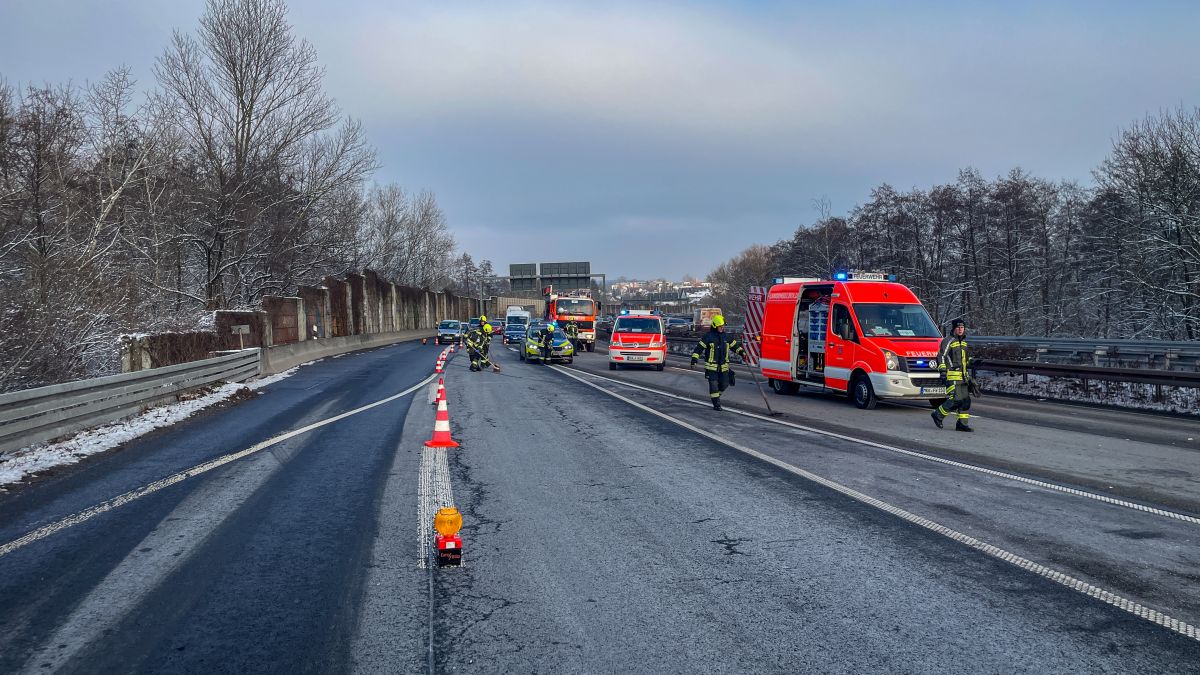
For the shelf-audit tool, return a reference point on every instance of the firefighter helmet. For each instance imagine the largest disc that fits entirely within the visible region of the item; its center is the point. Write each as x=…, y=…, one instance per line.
x=718, y=321
x=487, y=328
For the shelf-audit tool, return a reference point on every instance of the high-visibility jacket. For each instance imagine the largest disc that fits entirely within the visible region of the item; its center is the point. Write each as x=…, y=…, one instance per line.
x=572, y=331
x=953, y=360
x=474, y=339
x=715, y=348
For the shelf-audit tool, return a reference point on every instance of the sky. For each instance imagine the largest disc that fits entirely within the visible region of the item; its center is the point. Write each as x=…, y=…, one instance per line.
x=657, y=139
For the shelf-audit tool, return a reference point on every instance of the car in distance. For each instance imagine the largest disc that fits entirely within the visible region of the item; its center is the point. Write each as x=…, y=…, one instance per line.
x=678, y=325
x=514, y=333
x=449, y=332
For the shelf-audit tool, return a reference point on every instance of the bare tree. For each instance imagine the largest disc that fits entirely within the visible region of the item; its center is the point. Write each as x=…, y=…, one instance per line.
x=248, y=95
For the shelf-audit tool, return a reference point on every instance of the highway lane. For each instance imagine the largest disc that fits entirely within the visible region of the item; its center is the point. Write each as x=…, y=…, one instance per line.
x=256, y=565
x=1140, y=456
x=601, y=538
x=1146, y=557
x=1150, y=558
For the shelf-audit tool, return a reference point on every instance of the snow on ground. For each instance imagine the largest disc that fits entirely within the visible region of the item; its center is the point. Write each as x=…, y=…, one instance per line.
x=16, y=465
x=1122, y=394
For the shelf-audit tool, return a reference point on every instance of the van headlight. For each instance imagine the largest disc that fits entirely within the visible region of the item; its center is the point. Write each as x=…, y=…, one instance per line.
x=892, y=361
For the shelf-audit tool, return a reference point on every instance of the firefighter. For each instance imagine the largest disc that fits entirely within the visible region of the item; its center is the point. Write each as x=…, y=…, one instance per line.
x=486, y=347
x=547, y=340
x=572, y=331
x=953, y=362
x=474, y=343
x=716, y=349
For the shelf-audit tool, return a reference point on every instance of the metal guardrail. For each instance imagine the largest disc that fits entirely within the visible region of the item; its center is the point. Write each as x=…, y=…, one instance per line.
x=35, y=415
x=1165, y=354
x=1160, y=377
x=1174, y=378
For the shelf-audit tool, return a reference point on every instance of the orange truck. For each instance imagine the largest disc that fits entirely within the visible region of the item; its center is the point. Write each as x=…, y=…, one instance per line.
x=860, y=333
x=576, y=306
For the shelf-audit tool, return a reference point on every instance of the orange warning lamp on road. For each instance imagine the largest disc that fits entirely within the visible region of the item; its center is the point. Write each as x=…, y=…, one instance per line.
x=448, y=521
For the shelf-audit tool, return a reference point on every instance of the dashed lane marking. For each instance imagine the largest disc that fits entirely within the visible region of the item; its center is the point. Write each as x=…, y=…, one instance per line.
x=121, y=500
x=1113, y=501
x=1141, y=611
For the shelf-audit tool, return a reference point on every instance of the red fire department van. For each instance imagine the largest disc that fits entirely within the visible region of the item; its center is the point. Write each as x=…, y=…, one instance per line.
x=858, y=333
x=637, y=339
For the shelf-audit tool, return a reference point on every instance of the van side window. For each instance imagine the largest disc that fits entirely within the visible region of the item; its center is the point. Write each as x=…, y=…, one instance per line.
x=843, y=327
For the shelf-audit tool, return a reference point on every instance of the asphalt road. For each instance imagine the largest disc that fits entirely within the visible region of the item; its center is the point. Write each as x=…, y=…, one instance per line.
x=254, y=566
x=1141, y=456
x=599, y=537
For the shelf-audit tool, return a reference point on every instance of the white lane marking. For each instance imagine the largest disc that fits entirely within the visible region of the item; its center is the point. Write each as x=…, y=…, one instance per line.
x=433, y=493
x=121, y=500
x=920, y=455
x=169, y=545
x=1141, y=611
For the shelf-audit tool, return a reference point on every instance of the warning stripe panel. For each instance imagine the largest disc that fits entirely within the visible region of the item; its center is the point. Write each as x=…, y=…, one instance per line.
x=756, y=300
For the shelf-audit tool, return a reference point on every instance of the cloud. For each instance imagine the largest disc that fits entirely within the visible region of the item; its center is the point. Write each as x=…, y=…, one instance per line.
x=614, y=126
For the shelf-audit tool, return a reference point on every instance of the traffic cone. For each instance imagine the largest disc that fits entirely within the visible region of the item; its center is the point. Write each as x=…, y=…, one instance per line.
x=441, y=391
x=441, y=429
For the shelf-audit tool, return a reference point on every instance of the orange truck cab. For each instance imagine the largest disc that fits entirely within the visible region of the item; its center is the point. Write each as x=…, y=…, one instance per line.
x=858, y=333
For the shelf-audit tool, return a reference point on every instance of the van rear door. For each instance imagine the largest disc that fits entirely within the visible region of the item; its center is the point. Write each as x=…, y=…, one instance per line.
x=779, y=320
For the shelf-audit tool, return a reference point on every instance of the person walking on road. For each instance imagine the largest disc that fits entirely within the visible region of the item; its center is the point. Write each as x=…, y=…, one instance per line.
x=716, y=348
x=953, y=363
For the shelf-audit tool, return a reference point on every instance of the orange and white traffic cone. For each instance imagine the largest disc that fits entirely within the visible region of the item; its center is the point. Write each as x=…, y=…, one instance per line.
x=441, y=429
x=441, y=391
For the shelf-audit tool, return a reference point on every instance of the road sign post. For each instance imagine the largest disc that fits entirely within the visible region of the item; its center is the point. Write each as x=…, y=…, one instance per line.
x=240, y=330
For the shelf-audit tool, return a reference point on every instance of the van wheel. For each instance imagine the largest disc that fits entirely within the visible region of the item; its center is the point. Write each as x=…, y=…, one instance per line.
x=591, y=346
x=612, y=366
x=659, y=367
x=937, y=402
x=862, y=393
x=782, y=388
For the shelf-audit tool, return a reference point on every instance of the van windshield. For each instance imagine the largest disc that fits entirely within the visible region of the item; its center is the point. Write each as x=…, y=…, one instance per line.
x=637, y=325
x=895, y=320
x=517, y=320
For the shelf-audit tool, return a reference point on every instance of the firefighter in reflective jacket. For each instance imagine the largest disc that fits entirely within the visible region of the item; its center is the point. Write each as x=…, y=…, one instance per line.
x=953, y=362
x=486, y=348
x=716, y=349
x=478, y=341
x=547, y=341
x=572, y=332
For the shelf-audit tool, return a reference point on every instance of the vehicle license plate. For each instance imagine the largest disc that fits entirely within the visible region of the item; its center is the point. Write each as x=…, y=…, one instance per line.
x=934, y=390
x=635, y=358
